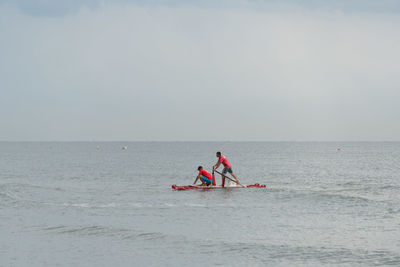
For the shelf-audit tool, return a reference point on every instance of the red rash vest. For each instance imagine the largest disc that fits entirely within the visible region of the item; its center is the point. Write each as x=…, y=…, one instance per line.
x=224, y=161
x=205, y=174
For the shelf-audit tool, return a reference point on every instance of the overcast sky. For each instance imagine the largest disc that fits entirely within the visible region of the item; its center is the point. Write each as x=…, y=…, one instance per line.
x=316, y=70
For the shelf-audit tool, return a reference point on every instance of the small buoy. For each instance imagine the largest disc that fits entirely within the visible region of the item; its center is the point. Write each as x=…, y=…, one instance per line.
x=97, y=147
x=339, y=149
x=124, y=148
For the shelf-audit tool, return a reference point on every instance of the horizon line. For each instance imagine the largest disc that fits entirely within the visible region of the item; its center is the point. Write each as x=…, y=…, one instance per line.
x=196, y=141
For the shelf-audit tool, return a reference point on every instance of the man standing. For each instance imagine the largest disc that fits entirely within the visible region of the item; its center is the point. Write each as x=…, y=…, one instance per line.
x=227, y=167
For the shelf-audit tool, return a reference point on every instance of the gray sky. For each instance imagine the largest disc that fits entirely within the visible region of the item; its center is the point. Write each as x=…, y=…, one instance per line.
x=205, y=70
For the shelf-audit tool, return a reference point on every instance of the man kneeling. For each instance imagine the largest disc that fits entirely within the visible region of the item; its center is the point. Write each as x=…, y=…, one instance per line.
x=204, y=176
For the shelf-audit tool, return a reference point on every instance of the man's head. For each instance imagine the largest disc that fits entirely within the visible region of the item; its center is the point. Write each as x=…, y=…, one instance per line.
x=199, y=168
x=218, y=154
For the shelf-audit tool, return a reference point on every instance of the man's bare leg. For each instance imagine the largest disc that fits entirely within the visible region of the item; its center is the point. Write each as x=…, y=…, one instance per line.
x=202, y=182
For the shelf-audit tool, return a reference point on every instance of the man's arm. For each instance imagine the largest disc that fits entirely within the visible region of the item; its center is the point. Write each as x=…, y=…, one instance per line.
x=216, y=166
x=197, y=178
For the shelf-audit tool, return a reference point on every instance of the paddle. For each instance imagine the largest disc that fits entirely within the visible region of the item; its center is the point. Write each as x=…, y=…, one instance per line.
x=226, y=176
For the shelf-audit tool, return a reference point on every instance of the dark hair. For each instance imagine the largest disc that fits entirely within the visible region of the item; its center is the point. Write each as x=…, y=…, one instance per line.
x=199, y=168
x=219, y=153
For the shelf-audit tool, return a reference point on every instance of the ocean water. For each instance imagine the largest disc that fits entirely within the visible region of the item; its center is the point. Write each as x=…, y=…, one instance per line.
x=95, y=204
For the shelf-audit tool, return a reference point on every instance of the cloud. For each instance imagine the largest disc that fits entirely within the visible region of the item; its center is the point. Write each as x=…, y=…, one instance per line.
x=128, y=72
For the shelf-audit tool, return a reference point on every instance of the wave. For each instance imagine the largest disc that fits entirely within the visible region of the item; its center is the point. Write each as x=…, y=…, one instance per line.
x=360, y=195
x=344, y=197
x=272, y=255
x=20, y=186
x=99, y=231
x=366, y=187
x=132, y=205
x=14, y=190
x=9, y=196
x=87, y=205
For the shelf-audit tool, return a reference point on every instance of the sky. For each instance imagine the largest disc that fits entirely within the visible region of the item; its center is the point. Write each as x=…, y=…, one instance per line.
x=239, y=70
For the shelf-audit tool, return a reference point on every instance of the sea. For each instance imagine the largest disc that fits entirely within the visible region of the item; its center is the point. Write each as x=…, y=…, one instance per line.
x=111, y=204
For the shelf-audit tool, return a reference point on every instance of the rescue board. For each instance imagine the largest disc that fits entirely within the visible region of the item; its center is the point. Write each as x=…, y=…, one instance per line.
x=189, y=187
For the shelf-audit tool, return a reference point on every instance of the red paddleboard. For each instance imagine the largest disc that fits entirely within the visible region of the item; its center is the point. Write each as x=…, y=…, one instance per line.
x=188, y=187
